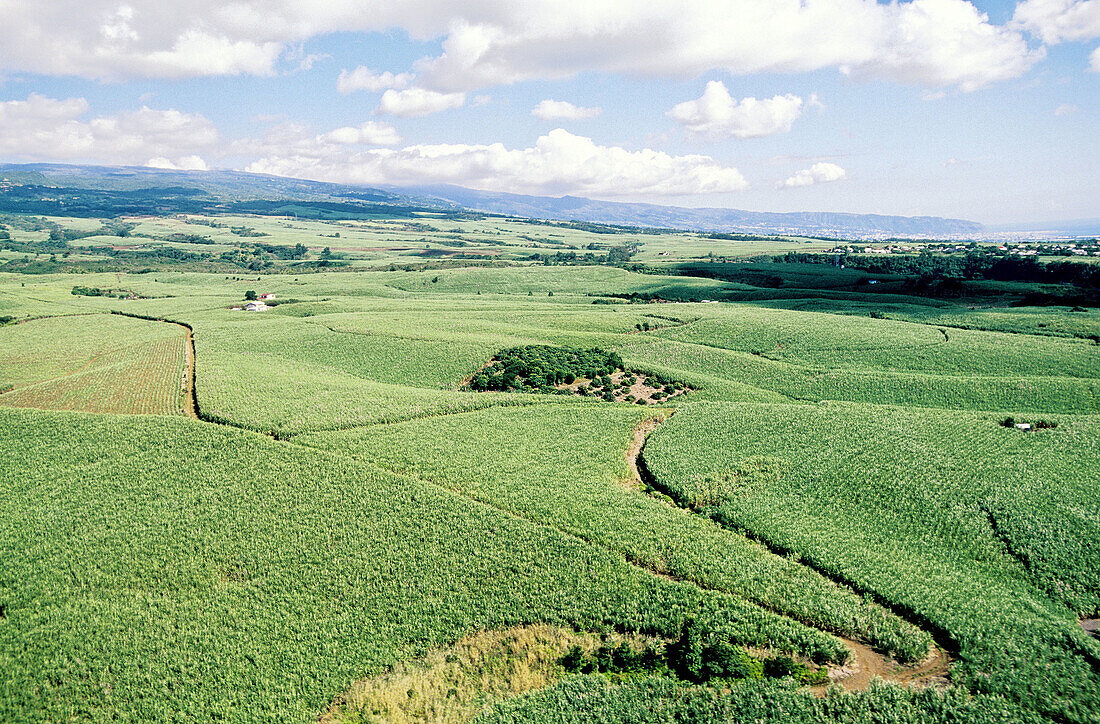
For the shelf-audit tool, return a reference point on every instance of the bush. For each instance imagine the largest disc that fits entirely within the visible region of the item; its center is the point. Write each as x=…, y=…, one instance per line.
x=535, y=366
x=573, y=659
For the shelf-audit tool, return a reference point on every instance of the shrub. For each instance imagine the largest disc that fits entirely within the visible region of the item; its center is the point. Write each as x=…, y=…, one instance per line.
x=573, y=659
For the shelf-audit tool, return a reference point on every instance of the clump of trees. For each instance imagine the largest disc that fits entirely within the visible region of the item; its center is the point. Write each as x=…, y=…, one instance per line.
x=97, y=292
x=552, y=370
x=700, y=656
x=1037, y=425
x=981, y=263
x=538, y=368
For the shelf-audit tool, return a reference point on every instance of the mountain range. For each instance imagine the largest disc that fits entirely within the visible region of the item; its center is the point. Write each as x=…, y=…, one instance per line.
x=238, y=185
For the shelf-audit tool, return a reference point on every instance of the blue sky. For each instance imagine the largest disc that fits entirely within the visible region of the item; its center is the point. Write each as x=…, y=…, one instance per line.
x=980, y=110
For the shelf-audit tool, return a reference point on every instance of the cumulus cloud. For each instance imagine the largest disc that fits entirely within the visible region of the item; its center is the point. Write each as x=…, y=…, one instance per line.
x=558, y=163
x=1055, y=21
x=51, y=129
x=488, y=42
x=363, y=78
x=1065, y=109
x=184, y=163
x=370, y=133
x=549, y=110
x=295, y=141
x=942, y=43
x=925, y=42
x=717, y=115
x=1094, y=61
x=819, y=173
x=416, y=102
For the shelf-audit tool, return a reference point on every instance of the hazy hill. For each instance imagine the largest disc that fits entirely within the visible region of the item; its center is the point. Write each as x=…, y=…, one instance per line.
x=236, y=185
x=822, y=223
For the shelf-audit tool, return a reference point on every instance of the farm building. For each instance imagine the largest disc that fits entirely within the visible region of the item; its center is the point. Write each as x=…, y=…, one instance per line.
x=256, y=307
x=269, y=295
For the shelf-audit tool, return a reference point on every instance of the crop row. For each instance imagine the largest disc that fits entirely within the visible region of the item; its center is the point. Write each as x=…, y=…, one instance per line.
x=563, y=465
x=982, y=533
x=179, y=570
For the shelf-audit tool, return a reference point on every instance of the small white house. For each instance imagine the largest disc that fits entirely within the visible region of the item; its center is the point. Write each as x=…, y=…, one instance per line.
x=1025, y=426
x=256, y=307
x=269, y=295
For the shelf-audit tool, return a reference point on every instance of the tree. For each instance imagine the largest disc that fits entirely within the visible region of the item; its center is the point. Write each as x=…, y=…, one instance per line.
x=250, y=296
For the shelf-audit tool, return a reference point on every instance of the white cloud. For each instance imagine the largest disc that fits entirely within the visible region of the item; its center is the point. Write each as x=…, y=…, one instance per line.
x=491, y=42
x=196, y=53
x=819, y=173
x=184, y=163
x=363, y=78
x=307, y=62
x=51, y=129
x=295, y=141
x=416, y=102
x=1065, y=109
x=558, y=163
x=951, y=162
x=549, y=110
x=370, y=133
x=941, y=43
x=1055, y=21
x=717, y=115
x=925, y=42
x=1094, y=61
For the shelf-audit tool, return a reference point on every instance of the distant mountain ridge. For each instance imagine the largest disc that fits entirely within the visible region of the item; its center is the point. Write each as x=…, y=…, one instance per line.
x=819, y=223
x=237, y=185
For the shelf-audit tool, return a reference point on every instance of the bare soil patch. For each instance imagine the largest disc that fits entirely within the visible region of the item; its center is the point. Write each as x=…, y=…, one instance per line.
x=625, y=386
x=641, y=432
x=867, y=664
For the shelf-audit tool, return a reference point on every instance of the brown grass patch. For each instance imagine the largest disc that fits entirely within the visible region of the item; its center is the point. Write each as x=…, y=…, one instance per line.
x=456, y=683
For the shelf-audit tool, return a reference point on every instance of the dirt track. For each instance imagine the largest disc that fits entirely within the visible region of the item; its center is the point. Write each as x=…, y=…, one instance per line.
x=867, y=665
x=641, y=432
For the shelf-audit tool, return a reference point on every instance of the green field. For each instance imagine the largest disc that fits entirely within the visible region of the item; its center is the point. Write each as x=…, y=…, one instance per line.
x=96, y=363
x=839, y=479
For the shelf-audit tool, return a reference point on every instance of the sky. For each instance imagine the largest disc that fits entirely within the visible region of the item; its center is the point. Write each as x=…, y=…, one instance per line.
x=985, y=110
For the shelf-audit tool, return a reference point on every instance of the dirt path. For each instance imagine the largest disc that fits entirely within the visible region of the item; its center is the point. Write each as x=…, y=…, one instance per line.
x=641, y=432
x=867, y=664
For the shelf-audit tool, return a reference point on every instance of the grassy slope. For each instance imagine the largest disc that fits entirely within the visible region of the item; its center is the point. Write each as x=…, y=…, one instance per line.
x=582, y=699
x=177, y=569
x=400, y=341
x=95, y=363
x=987, y=509
x=562, y=465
